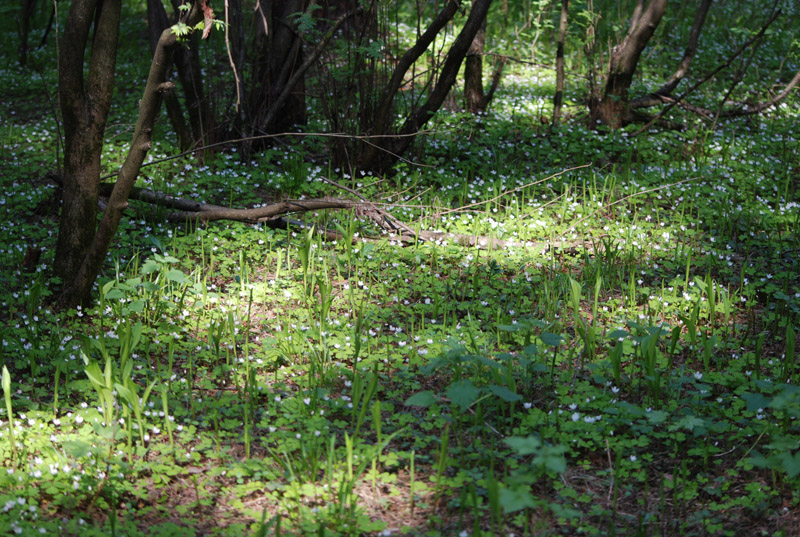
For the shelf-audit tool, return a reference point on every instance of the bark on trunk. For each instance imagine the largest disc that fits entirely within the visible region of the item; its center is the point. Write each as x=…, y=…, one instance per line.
x=614, y=109
x=682, y=70
x=201, y=120
x=79, y=281
x=473, y=73
x=27, y=7
x=384, y=154
x=84, y=109
x=558, y=98
x=383, y=119
x=157, y=22
x=278, y=55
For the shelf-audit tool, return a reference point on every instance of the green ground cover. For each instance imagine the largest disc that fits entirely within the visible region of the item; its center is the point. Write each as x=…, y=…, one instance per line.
x=626, y=367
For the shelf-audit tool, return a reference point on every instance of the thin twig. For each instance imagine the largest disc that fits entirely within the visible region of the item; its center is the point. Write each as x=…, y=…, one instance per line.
x=507, y=192
x=276, y=135
x=573, y=226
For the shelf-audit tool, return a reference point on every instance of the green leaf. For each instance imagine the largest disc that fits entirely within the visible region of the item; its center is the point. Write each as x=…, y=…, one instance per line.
x=552, y=458
x=504, y=393
x=755, y=401
x=689, y=423
x=790, y=463
x=524, y=445
x=550, y=339
x=423, y=399
x=180, y=29
x=657, y=416
x=531, y=350
x=516, y=499
x=115, y=294
x=177, y=276
x=463, y=393
x=150, y=266
x=92, y=371
x=616, y=334
x=77, y=448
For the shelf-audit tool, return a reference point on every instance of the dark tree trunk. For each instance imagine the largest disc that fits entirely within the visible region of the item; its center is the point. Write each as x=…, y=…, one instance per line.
x=27, y=7
x=476, y=99
x=83, y=245
x=381, y=155
x=157, y=22
x=614, y=109
x=187, y=62
x=278, y=54
x=201, y=120
x=383, y=119
x=558, y=98
x=473, y=73
x=234, y=15
x=683, y=68
x=84, y=108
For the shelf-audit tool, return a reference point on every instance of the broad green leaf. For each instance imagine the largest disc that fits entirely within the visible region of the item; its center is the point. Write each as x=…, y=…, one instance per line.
x=150, y=266
x=616, y=334
x=524, y=445
x=504, y=393
x=77, y=448
x=550, y=339
x=115, y=294
x=177, y=276
x=657, y=416
x=423, y=399
x=755, y=401
x=552, y=459
x=516, y=499
x=95, y=375
x=463, y=393
x=531, y=350
x=790, y=463
x=690, y=423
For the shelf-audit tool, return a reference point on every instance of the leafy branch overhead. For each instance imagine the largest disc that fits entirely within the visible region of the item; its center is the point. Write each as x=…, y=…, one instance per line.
x=181, y=29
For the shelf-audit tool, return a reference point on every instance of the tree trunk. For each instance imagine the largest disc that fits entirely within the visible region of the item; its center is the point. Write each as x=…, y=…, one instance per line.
x=84, y=108
x=383, y=119
x=79, y=267
x=383, y=154
x=278, y=54
x=558, y=98
x=157, y=22
x=614, y=109
x=27, y=7
x=187, y=62
x=473, y=73
x=682, y=70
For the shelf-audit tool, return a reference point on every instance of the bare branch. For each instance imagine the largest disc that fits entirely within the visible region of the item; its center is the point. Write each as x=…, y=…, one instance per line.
x=710, y=75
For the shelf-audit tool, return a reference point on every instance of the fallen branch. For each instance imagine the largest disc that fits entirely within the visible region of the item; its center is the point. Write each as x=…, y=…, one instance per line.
x=195, y=211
